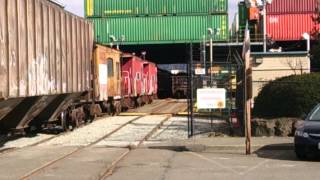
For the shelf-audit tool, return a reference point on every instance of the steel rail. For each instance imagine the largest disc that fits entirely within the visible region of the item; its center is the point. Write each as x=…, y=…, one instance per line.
x=109, y=171
x=48, y=164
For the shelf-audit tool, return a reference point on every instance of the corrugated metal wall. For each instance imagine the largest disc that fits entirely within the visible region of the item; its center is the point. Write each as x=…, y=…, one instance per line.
x=160, y=30
x=43, y=49
x=287, y=20
x=105, y=8
x=284, y=27
x=291, y=6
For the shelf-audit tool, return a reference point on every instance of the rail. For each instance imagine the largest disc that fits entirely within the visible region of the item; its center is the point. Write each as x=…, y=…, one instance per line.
x=108, y=171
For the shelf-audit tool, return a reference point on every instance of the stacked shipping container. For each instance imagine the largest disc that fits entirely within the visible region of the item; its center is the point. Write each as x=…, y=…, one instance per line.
x=157, y=22
x=160, y=29
x=107, y=8
x=287, y=20
x=291, y=6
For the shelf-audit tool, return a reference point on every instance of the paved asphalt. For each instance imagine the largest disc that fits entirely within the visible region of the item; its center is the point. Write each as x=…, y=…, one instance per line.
x=158, y=163
x=146, y=164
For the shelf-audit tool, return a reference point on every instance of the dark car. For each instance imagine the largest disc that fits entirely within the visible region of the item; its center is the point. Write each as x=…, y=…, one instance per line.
x=307, y=135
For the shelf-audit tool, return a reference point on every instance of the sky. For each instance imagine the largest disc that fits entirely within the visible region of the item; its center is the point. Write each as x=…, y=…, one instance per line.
x=74, y=6
x=233, y=4
x=77, y=7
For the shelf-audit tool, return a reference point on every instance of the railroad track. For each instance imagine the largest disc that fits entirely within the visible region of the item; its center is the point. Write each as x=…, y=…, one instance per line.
x=111, y=169
x=108, y=171
x=12, y=149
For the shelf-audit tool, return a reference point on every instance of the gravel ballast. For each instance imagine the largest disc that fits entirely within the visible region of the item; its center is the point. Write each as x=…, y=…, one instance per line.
x=90, y=133
x=131, y=134
x=25, y=141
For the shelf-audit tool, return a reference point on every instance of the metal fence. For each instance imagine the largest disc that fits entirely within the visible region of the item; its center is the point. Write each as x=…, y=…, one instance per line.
x=221, y=73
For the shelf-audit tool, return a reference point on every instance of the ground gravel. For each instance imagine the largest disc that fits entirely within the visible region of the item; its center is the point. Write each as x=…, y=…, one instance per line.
x=131, y=134
x=23, y=141
x=90, y=133
x=176, y=129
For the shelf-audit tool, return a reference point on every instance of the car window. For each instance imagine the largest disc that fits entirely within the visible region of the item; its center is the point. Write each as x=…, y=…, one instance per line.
x=315, y=116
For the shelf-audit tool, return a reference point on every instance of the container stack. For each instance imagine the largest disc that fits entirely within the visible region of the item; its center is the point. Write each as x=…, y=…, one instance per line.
x=157, y=21
x=287, y=20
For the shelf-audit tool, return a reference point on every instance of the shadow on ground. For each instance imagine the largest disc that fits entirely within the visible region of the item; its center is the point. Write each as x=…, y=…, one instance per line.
x=6, y=139
x=284, y=152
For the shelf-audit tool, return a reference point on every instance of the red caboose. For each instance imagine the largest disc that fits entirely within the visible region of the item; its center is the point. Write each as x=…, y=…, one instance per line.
x=132, y=80
x=150, y=81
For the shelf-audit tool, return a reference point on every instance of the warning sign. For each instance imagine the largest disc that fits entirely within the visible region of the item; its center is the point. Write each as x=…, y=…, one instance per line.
x=213, y=98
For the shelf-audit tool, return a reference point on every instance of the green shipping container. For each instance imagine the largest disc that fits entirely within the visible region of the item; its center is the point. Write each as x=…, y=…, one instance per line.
x=160, y=30
x=107, y=8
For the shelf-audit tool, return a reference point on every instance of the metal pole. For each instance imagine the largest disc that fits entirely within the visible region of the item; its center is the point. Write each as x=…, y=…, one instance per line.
x=189, y=98
x=191, y=85
x=308, y=45
x=204, y=52
x=211, y=78
x=211, y=60
x=264, y=26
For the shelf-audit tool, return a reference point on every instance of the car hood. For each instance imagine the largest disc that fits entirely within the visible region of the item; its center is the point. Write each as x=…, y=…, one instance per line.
x=312, y=127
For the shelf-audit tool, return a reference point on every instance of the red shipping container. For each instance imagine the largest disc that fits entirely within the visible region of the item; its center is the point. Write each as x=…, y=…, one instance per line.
x=291, y=6
x=132, y=76
x=289, y=27
x=150, y=78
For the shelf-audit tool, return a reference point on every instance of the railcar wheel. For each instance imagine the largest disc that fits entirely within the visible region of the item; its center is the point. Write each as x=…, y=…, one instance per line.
x=64, y=119
x=150, y=99
x=109, y=108
x=118, y=108
x=139, y=102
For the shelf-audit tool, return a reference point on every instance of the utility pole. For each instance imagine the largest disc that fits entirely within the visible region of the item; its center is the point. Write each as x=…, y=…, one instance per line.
x=247, y=89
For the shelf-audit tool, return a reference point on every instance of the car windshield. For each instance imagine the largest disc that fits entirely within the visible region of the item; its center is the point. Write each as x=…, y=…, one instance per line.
x=315, y=115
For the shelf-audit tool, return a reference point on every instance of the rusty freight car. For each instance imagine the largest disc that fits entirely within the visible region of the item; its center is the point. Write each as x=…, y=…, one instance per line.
x=45, y=55
x=107, y=86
